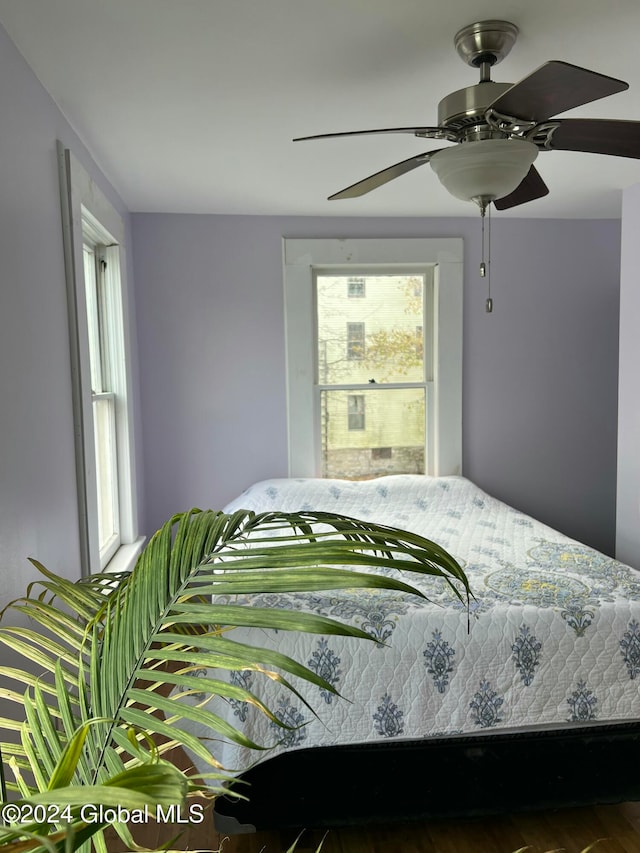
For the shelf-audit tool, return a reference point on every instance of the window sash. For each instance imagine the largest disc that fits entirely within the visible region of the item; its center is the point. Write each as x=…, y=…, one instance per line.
x=346, y=438
x=355, y=427
x=355, y=341
x=107, y=485
x=101, y=307
x=365, y=344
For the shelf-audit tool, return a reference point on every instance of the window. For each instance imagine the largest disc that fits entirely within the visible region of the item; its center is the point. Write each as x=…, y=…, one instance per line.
x=355, y=341
x=412, y=400
x=385, y=370
x=355, y=287
x=93, y=234
x=104, y=320
x=355, y=411
x=379, y=453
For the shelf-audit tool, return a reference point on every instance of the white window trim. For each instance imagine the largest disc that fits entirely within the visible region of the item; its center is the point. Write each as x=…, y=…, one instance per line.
x=81, y=202
x=300, y=257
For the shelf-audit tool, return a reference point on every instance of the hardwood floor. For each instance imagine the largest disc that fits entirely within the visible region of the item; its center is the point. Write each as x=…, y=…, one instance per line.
x=570, y=830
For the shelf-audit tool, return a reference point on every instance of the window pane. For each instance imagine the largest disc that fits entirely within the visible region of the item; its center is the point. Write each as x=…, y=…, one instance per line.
x=355, y=411
x=355, y=287
x=390, y=440
x=93, y=318
x=377, y=336
x=106, y=461
x=355, y=341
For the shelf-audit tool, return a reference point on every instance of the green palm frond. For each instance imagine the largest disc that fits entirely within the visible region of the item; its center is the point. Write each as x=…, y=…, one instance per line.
x=108, y=654
x=64, y=816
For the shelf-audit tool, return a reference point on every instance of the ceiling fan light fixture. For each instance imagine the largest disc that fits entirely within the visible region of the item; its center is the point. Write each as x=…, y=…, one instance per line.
x=485, y=170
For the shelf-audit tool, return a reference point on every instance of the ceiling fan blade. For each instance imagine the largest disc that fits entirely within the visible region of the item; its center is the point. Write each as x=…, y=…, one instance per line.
x=554, y=88
x=426, y=132
x=530, y=188
x=383, y=177
x=597, y=136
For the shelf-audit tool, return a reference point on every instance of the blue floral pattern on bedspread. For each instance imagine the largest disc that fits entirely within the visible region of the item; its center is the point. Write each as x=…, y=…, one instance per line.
x=326, y=663
x=551, y=639
x=527, y=652
x=439, y=661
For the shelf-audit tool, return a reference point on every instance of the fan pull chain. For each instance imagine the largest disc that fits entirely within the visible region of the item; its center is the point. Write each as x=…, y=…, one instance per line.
x=485, y=265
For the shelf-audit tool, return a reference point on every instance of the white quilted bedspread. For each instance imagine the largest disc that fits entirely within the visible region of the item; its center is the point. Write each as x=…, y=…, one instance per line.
x=553, y=640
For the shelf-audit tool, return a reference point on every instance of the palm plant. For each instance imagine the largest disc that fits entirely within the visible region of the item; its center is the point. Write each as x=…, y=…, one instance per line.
x=104, y=659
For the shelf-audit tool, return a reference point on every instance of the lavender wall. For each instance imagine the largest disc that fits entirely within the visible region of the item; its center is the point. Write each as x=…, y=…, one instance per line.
x=628, y=482
x=38, y=507
x=540, y=373
x=541, y=385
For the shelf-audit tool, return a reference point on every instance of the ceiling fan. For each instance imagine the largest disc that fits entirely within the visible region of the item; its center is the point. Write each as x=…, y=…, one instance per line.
x=499, y=128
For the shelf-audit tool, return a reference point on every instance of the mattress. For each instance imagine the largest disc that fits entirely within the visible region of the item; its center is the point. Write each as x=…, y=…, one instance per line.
x=551, y=638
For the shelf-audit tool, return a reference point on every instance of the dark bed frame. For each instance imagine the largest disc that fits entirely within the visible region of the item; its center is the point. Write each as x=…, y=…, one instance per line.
x=470, y=776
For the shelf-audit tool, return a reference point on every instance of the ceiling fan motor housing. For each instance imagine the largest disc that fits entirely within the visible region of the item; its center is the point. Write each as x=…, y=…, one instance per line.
x=466, y=108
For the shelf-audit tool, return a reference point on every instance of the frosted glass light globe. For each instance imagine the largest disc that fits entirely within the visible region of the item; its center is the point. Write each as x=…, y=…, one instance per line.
x=485, y=170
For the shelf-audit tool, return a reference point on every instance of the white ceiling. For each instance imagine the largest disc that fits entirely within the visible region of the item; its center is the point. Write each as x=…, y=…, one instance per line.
x=191, y=105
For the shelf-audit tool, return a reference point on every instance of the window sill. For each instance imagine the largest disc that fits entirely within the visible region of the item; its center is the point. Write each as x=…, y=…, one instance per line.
x=125, y=557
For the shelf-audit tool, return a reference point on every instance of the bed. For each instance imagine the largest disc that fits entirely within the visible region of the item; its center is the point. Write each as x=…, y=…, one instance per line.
x=529, y=701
